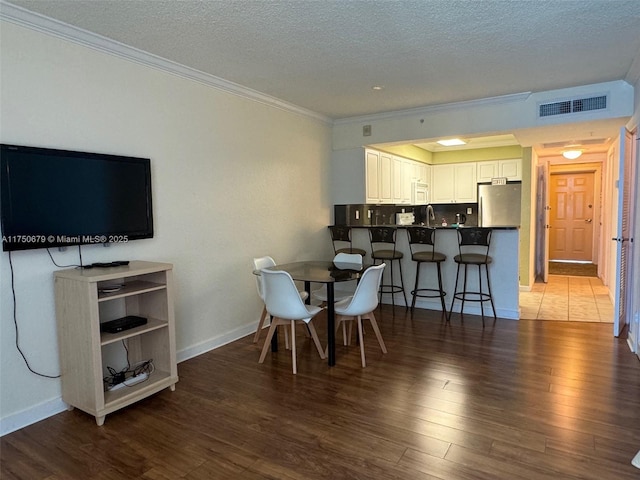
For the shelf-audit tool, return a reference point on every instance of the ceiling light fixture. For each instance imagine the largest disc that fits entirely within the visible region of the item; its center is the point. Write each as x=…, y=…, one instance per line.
x=571, y=154
x=377, y=87
x=452, y=142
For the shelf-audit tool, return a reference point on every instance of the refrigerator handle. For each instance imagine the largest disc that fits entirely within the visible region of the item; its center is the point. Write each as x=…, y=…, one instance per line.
x=480, y=211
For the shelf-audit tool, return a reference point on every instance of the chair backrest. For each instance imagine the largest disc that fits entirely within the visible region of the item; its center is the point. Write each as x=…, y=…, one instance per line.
x=258, y=264
x=382, y=238
x=365, y=298
x=281, y=296
x=340, y=233
x=350, y=258
x=422, y=239
x=477, y=239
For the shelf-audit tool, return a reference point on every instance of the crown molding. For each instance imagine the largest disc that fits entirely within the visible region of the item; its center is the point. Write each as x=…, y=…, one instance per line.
x=418, y=111
x=633, y=75
x=20, y=16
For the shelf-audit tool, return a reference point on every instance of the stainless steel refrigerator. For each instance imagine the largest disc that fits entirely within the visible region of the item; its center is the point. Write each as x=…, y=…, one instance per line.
x=499, y=205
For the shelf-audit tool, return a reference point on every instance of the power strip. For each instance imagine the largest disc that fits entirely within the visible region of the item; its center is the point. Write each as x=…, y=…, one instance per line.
x=130, y=382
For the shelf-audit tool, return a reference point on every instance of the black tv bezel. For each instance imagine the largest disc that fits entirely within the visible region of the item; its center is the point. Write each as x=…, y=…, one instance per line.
x=109, y=237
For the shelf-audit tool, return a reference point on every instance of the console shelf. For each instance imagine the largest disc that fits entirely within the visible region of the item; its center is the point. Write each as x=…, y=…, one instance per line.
x=84, y=299
x=135, y=287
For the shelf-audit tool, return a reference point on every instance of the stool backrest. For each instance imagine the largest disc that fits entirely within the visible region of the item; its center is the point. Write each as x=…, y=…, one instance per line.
x=422, y=239
x=340, y=234
x=382, y=238
x=470, y=237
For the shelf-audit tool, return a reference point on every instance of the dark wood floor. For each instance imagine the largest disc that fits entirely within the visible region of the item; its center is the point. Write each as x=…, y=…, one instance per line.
x=517, y=400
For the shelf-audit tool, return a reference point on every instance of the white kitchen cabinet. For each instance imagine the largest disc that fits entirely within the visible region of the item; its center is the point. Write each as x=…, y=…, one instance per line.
x=372, y=174
x=510, y=168
x=454, y=183
x=397, y=179
x=379, y=168
x=423, y=172
x=486, y=171
x=386, y=178
x=408, y=174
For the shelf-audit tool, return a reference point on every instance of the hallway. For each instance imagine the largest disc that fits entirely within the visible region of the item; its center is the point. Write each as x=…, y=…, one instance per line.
x=567, y=298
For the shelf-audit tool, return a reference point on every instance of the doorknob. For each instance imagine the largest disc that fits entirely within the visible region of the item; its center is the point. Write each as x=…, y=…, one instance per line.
x=588, y=220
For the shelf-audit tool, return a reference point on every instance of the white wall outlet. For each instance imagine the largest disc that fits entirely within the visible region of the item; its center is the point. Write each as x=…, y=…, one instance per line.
x=469, y=211
x=357, y=214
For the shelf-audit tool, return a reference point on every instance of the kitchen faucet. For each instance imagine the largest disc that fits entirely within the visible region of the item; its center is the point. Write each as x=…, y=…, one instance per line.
x=430, y=215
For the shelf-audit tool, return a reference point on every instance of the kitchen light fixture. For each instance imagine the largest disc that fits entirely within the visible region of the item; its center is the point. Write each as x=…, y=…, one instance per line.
x=451, y=142
x=571, y=154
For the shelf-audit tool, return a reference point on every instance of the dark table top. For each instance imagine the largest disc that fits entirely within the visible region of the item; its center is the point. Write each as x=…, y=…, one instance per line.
x=322, y=271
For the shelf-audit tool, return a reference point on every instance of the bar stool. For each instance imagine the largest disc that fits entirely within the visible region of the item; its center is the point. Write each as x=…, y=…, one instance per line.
x=341, y=240
x=383, y=248
x=422, y=246
x=473, y=245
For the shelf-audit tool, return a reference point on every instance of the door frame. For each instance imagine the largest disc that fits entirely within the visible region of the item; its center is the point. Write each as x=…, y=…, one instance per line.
x=594, y=165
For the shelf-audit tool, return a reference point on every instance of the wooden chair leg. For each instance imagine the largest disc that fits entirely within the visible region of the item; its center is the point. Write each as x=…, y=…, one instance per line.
x=364, y=362
x=263, y=317
x=376, y=330
x=286, y=339
x=267, y=342
x=345, y=340
x=316, y=340
x=293, y=347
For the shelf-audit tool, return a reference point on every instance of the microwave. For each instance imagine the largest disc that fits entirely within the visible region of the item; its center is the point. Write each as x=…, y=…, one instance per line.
x=419, y=193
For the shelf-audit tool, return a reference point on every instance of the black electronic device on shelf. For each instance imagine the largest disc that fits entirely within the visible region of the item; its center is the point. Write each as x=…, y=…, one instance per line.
x=121, y=324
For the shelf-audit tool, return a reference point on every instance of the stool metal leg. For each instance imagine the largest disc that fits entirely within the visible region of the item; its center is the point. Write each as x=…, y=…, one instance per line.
x=406, y=305
x=444, y=307
x=495, y=317
x=464, y=292
x=455, y=293
x=480, y=294
x=415, y=288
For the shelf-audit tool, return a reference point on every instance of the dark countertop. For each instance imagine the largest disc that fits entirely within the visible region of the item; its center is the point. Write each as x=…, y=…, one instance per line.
x=438, y=227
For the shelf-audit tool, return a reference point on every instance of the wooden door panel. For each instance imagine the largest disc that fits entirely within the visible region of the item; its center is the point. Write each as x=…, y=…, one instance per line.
x=571, y=219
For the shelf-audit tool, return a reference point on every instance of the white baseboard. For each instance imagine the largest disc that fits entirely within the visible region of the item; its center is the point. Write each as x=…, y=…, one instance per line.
x=215, y=342
x=32, y=415
x=22, y=419
x=469, y=308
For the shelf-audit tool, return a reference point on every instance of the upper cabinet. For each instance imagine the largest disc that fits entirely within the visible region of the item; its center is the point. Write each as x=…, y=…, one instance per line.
x=454, y=183
x=371, y=176
x=511, y=169
x=389, y=178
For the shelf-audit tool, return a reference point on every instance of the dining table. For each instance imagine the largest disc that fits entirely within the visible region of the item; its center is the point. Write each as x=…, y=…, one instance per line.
x=327, y=272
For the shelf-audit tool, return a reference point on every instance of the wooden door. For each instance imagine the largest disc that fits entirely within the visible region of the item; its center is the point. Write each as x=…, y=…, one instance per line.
x=623, y=234
x=571, y=216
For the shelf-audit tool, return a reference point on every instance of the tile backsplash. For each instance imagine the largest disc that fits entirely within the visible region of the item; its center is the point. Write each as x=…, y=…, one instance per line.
x=368, y=214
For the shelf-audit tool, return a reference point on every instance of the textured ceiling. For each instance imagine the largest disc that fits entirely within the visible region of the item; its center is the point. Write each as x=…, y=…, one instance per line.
x=326, y=56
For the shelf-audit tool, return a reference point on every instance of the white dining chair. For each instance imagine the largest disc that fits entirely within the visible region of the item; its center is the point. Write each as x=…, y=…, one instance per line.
x=258, y=264
x=285, y=306
x=341, y=290
x=362, y=305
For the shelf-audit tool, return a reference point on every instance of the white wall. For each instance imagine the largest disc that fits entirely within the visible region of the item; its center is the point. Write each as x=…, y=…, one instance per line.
x=232, y=179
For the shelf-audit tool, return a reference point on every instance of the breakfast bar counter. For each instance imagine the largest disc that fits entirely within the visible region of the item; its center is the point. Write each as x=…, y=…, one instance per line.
x=503, y=271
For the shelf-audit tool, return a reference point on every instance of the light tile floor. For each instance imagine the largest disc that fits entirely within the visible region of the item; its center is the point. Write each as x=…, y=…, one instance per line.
x=573, y=299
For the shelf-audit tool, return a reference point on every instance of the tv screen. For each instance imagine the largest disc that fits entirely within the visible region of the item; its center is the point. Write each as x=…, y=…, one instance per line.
x=59, y=198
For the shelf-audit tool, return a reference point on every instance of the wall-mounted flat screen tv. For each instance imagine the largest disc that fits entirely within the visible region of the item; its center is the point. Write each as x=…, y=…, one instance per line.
x=53, y=198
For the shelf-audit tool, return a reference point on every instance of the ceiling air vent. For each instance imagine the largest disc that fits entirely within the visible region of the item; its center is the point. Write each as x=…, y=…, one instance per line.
x=573, y=106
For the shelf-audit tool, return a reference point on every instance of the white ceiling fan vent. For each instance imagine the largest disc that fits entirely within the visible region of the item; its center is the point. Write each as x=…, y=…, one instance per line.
x=573, y=106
